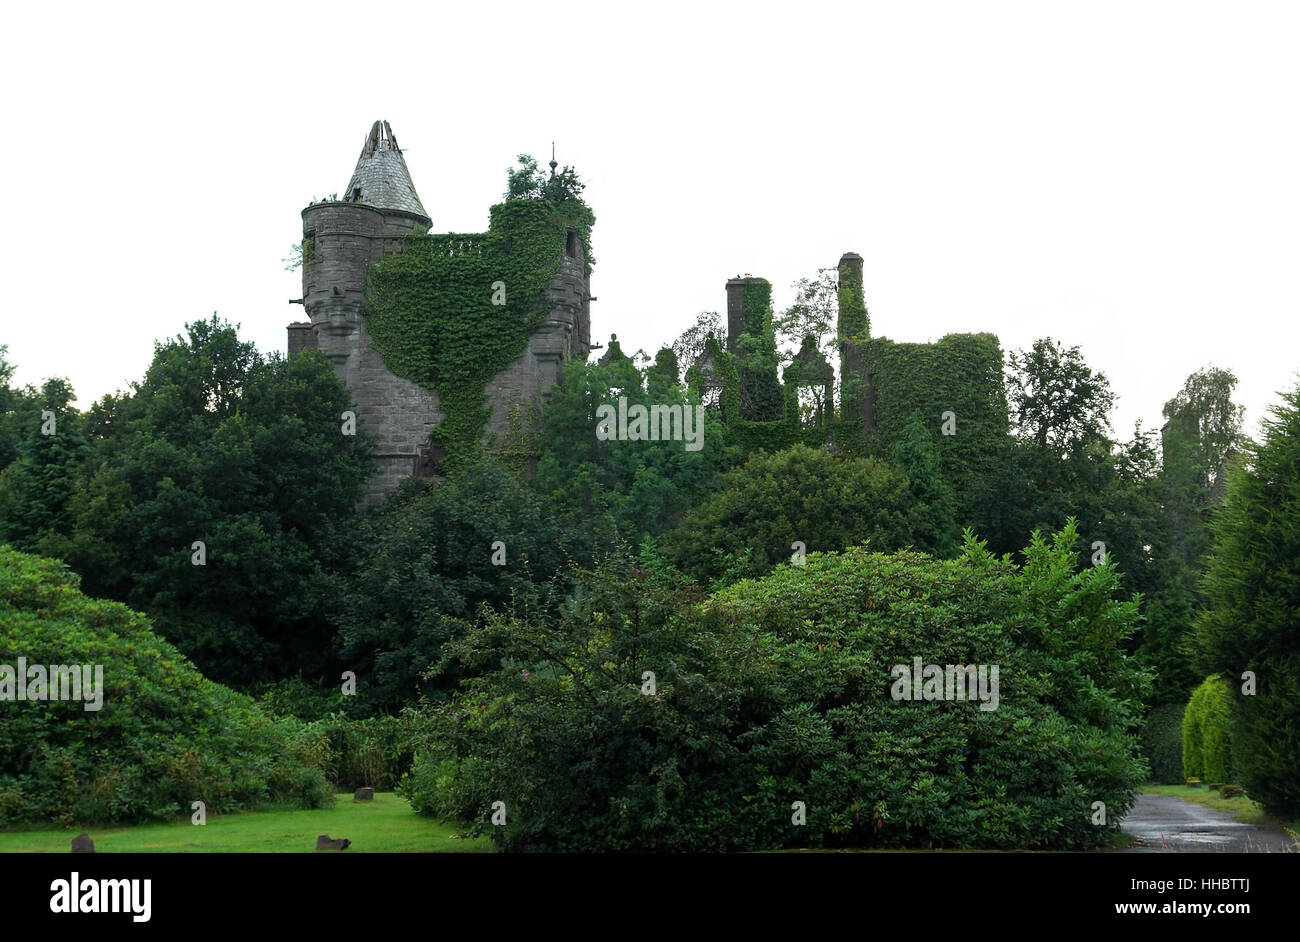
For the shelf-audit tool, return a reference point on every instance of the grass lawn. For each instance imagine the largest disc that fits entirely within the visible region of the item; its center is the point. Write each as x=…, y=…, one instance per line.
x=385, y=824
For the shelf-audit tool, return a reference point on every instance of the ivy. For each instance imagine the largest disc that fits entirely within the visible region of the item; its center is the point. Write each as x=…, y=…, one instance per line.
x=962, y=374
x=434, y=314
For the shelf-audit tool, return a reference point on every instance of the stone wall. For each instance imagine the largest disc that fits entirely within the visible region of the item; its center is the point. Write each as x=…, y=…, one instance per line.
x=346, y=239
x=566, y=333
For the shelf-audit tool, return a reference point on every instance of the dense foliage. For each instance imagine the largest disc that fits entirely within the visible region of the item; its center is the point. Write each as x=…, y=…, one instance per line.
x=219, y=446
x=423, y=566
x=800, y=494
x=639, y=488
x=1162, y=743
x=164, y=736
x=1252, y=624
x=1207, y=736
x=779, y=691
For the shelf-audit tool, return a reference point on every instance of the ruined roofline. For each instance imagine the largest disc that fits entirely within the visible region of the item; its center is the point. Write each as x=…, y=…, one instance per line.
x=381, y=178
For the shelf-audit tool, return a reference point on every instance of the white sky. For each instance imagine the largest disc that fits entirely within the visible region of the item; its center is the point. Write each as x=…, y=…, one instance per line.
x=1122, y=176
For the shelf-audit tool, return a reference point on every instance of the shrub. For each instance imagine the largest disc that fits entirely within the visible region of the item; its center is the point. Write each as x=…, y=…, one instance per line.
x=165, y=736
x=1207, y=738
x=375, y=751
x=779, y=690
x=1162, y=743
x=803, y=494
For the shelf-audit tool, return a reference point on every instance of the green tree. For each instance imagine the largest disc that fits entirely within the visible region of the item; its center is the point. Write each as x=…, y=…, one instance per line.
x=12, y=409
x=1206, y=423
x=644, y=718
x=244, y=454
x=1252, y=622
x=428, y=560
x=1207, y=737
x=1202, y=432
x=637, y=487
x=918, y=458
x=692, y=342
x=1056, y=400
x=798, y=495
x=34, y=513
x=814, y=313
x=157, y=735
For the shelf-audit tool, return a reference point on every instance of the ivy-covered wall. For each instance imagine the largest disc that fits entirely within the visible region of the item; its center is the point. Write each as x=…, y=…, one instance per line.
x=452, y=310
x=961, y=374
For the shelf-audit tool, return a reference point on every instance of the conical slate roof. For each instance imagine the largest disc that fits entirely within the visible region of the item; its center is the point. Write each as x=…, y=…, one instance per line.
x=381, y=178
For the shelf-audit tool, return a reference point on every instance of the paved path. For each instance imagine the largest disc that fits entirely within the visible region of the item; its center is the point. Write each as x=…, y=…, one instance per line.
x=1162, y=823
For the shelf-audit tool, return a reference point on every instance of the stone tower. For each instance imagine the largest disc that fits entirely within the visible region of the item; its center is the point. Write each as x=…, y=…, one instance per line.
x=342, y=239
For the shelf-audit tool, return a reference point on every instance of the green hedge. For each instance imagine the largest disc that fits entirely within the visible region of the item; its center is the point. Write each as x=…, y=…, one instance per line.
x=1207, y=737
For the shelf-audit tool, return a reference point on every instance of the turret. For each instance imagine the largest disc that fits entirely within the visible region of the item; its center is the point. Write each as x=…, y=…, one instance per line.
x=341, y=240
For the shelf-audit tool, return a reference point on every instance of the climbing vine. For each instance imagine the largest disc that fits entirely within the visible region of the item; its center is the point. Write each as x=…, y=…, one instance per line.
x=961, y=374
x=452, y=310
x=761, y=398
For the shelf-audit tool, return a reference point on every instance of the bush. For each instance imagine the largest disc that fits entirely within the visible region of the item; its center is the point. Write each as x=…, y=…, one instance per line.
x=375, y=751
x=1162, y=744
x=802, y=494
x=353, y=751
x=779, y=691
x=1207, y=737
x=294, y=697
x=165, y=736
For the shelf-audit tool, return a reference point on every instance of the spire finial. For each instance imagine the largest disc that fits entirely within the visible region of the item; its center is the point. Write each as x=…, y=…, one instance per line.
x=553, y=163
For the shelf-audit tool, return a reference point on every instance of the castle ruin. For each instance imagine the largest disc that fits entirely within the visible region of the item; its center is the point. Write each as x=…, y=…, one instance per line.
x=342, y=240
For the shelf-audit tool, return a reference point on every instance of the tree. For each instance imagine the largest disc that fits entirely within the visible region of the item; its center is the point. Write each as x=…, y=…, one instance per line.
x=245, y=455
x=638, y=488
x=814, y=313
x=1205, y=421
x=34, y=509
x=1251, y=626
x=11, y=407
x=149, y=734
x=1202, y=433
x=642, y=717
x=1056, y=400
x=529, y=182
x=917, y=457
x=425, y=563
x=694, y=340
x=802, y=494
